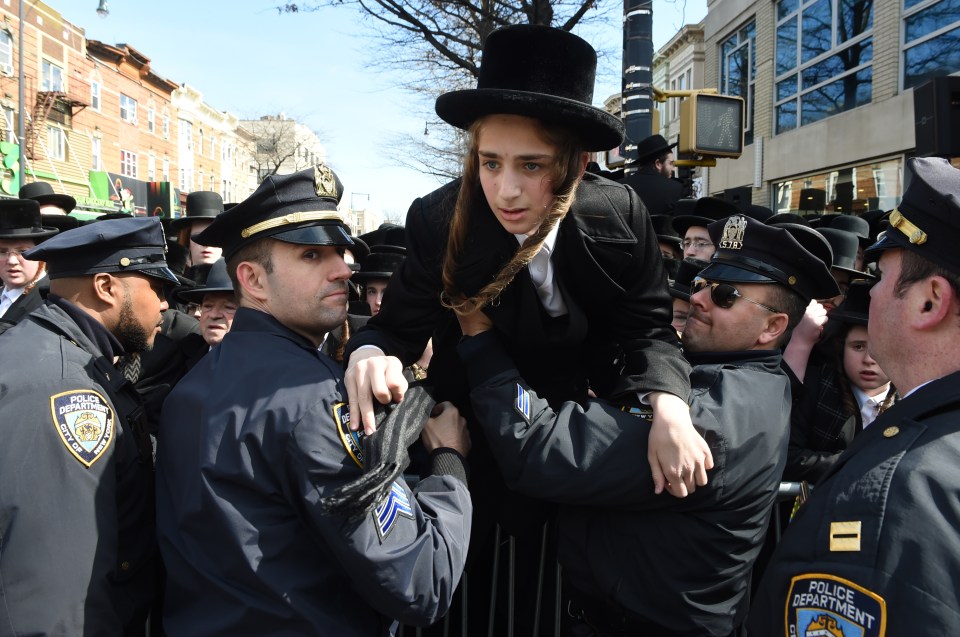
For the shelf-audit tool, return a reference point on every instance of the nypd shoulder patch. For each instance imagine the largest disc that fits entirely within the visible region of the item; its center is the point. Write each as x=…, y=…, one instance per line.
x=352, y=440
x=84, y=421
x=522, y=403
x=395, y=505
x=820, y=605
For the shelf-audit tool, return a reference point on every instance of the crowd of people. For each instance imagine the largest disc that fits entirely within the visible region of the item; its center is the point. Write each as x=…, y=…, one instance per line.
x=249, y=421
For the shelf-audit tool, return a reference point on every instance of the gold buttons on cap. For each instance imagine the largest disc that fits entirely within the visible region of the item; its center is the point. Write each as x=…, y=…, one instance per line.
x=124, y=262
x=792, y=280
x=125, y=566
x=890, y=432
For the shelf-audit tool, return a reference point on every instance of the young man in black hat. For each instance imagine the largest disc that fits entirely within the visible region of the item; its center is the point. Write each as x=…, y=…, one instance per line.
x=692, y=226
x=257, y=435
x=876, y=548
x=25, y=282
x=76, y=486
x=636, y=563
x=653, y=179
x=201, y=209
x=50, y=202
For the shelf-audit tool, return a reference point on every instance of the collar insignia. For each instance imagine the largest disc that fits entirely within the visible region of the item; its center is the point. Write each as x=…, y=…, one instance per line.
x=732, y=238
x=84, y=421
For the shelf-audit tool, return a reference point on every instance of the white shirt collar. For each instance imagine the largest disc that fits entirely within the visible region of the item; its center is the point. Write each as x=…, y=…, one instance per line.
x=548, y=242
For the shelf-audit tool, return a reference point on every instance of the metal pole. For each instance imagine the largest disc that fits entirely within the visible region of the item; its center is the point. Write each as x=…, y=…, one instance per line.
x=636, y=96
x=21, y=104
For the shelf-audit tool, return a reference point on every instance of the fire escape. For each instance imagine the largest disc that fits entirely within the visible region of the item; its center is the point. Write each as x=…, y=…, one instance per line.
x=58, y=106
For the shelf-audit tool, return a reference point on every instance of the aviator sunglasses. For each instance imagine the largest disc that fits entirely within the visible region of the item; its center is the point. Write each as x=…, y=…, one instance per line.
x=724, y=295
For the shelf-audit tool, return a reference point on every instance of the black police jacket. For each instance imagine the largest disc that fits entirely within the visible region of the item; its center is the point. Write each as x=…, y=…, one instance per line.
x=78, y=552
x=876, y=549
x=681, y=564
x=251, y=440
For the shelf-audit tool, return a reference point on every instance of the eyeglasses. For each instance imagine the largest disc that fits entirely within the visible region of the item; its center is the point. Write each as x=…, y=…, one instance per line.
x=5, y=253
x=699, y=244
x=725, y=295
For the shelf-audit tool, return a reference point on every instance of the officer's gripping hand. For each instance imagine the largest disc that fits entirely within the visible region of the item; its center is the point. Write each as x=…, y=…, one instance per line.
x=474, y=323
x=446, y=428
x=679, y=456
x=371, y=374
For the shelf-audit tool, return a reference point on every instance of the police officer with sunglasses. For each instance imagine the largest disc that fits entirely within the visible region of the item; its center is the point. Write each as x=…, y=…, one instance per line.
x=636, y=563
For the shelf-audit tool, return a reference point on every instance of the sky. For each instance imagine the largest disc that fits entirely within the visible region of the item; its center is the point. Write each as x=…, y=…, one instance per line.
x=246, y=58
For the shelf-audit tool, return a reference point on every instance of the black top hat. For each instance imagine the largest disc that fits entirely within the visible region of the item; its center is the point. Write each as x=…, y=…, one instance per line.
x=850, y=223
x=651, y=147
x=218, y=280
x=60, y=222
x=201, y=204
x=107, y=216
x=42, y=193
x=20, y=219
x=855, y=308
x=663, y=227
x=538, y=72
x=300, y=208
x=787, y=217
x=118, y=245
x=844, y=246
x=387, y=234
x=686, y=273
x=760, y=213
x=381, y=263
x=705, y=211
x=927, y=221
x=752, y=252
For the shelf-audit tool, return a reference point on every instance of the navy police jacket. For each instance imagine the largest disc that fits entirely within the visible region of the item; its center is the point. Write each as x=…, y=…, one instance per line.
x=78, y=552
x=681, y=564
x=876, y=549
x=251, y=440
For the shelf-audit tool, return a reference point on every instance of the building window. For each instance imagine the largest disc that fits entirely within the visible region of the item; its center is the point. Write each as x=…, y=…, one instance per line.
x=166, y=169
x=9, y=125
x=823, y=59
x=128, y=109
x=213, y=184
x=738, y=71
x=151, y=168
x=52, y=77
x=166, y=127
x=6, y=53
x=96, y=155
x=95, y=95
x=213, y=149
x=931, y=40
x=56, y=143
x=128, y=163
x=150, y=120
x=186, y=135
x=200, y=142
x=853, y=190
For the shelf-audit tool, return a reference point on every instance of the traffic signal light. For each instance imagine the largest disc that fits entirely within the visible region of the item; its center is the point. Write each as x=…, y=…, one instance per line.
x=711, y=125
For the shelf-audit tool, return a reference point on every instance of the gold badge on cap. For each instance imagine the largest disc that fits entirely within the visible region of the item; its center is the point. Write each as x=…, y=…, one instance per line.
x=732, y=237
x=324, y=181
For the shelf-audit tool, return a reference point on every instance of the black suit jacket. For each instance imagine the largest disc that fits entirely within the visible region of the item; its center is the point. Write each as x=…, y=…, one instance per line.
x=611, y=276
x=659, y=194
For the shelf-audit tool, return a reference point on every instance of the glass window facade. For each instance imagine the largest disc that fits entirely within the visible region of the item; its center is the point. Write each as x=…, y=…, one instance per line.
x=931, y=40
x=738, y=70
x=854, y=190
x=824, y=59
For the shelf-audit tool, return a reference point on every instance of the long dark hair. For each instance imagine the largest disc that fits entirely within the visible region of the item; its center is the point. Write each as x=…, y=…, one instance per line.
x=565, y=174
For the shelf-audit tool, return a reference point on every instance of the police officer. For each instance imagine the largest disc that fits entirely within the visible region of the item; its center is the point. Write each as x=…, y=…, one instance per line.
x=876, y=550
x=257, y=434
x=77, y=544
x=637, y=563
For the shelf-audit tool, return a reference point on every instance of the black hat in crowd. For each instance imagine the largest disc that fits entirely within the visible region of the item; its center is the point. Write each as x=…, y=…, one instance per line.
x=663, y=227
x=300, y=208
x=538, y=72
x=855, y=308
x=386, y=234
x=218, y=280
x=705, y=211
x=788, y=217
x=60, y=222
x=652, y=147
x=760, y=213
x=20, y=219
x=686, y=273
x=752, y=252
x=381, y=263
x=118, y=245
x=927, y=221
x=844, y=246
x=201, y=204
x=857, y=225
x=42, y=193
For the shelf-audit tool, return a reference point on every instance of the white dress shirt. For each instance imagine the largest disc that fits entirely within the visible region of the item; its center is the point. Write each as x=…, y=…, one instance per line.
x=543, y=274
x=869, y=405
x=9, y=297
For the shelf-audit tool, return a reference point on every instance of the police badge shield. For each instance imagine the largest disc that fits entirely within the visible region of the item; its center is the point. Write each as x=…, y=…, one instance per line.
x=85, y=423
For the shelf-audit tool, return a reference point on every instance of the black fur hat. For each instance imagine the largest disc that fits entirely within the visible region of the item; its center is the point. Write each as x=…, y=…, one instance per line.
x=538, y=72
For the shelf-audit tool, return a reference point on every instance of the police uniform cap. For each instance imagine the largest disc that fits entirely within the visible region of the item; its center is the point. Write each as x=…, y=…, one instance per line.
x=300, y=208
x=118, y=245
x=927, y=221
x=381, y=263
x=752, y=252
x=705, y=211
x=217, y=280
x=21, y=219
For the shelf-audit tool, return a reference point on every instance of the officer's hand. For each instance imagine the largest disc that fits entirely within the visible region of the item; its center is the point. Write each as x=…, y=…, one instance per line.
x=679, y=457
x=446, y=428
x=371, y=373
x=811, y=325
x=474, y=323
